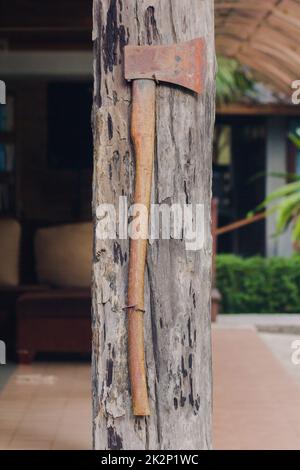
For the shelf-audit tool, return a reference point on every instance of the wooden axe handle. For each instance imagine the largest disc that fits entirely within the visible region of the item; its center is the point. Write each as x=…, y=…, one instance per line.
x=143, y=132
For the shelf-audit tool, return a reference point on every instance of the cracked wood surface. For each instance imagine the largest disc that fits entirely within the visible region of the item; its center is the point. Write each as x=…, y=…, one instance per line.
x=177, y=282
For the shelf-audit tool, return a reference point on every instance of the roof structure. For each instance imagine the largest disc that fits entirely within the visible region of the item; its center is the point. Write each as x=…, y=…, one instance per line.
x=260, y=34
x=263, y=35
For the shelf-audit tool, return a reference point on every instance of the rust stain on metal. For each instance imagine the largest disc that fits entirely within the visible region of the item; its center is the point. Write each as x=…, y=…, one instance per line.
x=181, y=64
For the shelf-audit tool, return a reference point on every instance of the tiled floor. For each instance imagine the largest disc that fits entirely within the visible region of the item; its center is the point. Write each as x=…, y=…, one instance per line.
x=47, y=406
x=283, y=347
x=256, y=399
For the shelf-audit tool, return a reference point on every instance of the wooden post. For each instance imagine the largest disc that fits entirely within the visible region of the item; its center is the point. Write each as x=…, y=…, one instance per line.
x=177, y=282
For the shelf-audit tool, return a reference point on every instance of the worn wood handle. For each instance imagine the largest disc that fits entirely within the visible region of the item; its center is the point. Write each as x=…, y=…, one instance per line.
x=142, y=130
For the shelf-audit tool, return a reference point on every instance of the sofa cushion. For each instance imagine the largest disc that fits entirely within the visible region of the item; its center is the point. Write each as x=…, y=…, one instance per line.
x=64, y=254
x=10, y=238
x=55, y=303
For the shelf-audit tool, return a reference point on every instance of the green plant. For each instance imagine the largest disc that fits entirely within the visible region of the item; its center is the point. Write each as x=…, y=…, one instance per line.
x=295, y=138
x=259, y=285
x=232, y=82
x=285, y=201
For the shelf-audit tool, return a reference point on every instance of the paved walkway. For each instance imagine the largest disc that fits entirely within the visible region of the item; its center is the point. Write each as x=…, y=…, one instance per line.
x=256, y=397
x=281, y=347
x=47, y=406
x=256, y=400
x=281, y=323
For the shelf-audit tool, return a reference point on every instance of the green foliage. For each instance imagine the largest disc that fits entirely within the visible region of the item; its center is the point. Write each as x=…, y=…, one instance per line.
x=259, y=285
x=285, y=201
x=295, y=138
x=231, y=81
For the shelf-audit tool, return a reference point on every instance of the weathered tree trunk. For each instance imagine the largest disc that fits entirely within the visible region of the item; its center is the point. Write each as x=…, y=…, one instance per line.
x=178, y=282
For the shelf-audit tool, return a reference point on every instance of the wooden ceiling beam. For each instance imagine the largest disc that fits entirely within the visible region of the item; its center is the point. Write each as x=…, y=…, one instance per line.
x=272, y=36
x=258, y=109
x=282, y=26
x=46, y=13
x=262, y=64
x=287, y=61
x=36, y=25
x=256, y=5
x=241, y=34
x=288, y=18
x=253, y=23
x=263, y=35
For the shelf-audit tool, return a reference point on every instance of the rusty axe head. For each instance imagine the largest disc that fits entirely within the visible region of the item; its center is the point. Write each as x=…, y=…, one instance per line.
x=181, y=64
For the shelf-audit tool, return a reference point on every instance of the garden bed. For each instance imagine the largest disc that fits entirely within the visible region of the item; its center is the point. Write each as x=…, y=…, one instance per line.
x=260, y=285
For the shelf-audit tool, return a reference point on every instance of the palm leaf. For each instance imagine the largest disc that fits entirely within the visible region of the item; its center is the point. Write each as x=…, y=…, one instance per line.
x=283, y=191
x=296, y=230
x=286, y=212
x=295, y=139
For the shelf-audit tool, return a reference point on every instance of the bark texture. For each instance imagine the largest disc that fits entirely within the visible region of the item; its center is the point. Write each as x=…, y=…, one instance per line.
x=178, y=282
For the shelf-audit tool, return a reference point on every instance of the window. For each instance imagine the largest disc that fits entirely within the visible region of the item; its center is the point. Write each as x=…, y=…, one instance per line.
x=70, y=144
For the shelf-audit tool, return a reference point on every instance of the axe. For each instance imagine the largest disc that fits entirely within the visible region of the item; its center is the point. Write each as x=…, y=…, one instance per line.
x=179, y=64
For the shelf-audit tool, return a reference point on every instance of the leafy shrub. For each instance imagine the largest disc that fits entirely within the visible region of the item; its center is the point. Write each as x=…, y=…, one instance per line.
x=232, y=81
x=259, y=285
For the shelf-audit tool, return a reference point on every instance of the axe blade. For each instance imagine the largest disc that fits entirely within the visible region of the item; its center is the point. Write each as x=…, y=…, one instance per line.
x=181, y=64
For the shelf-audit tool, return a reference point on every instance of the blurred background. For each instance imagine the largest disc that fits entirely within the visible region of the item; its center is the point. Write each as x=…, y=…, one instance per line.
x=46, y=62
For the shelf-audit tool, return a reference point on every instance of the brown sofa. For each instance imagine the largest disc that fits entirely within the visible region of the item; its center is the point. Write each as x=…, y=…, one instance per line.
x=10, y=283
x=53, y=314
x=8, y=299
x=57, y=321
